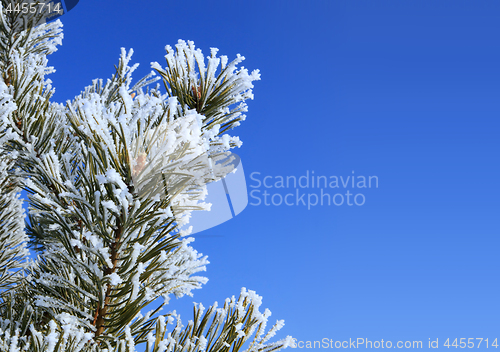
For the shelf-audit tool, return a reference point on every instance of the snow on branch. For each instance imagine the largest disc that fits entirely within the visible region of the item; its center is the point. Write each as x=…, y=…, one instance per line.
x=112, y=178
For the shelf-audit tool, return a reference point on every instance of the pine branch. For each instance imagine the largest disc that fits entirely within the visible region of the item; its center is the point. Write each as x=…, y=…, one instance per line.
x=12, y=237
x=112, y=179
x=238, y=324
x=220, y=98
x=115, y=222
x=24, y=94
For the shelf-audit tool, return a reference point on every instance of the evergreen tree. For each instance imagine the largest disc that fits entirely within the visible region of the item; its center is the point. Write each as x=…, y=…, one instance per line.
x=112, y=178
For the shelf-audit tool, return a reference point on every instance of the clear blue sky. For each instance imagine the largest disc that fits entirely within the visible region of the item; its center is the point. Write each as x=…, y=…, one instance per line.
x=407, y=91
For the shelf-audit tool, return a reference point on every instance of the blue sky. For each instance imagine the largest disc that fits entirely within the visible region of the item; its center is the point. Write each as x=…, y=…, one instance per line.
x=407, y=91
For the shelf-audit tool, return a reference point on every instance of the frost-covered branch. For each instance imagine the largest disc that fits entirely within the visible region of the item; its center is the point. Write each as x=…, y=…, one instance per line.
x=12, y=236
x=112, y=178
